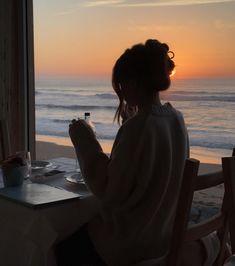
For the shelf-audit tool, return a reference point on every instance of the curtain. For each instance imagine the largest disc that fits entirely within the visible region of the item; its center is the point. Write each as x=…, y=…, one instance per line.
x=16, y=73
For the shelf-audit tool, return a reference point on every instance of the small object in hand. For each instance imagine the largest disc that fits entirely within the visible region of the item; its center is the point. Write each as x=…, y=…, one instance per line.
x=87, y=118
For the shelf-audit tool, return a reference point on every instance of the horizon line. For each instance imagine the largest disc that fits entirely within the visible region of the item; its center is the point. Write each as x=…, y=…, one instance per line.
x=106, y=77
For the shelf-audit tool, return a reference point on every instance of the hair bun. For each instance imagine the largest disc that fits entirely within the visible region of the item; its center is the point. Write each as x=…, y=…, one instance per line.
x=155, y=44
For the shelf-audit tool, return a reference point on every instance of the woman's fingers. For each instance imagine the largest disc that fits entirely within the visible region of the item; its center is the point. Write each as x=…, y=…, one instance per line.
x=80, y=127
x=73, y=121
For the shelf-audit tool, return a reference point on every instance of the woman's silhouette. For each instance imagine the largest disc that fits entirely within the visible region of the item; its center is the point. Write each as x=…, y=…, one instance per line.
x=138, y=185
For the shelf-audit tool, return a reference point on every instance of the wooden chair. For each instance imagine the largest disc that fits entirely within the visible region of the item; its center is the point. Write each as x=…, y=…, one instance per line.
x=228, y=164
x=5, y=148
x=182, y=233
x=223, y=223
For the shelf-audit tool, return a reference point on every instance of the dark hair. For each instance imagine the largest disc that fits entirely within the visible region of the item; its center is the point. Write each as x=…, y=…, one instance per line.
x=149, y=64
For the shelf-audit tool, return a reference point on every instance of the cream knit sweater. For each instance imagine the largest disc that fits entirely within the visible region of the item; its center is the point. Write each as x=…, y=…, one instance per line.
x=138, y=186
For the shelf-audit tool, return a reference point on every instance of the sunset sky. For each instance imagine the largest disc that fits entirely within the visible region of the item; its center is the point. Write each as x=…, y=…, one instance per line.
x=84, y=38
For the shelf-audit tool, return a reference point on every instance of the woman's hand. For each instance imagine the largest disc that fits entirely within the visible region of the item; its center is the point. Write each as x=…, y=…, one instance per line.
x=79, y=130
x=82, y=136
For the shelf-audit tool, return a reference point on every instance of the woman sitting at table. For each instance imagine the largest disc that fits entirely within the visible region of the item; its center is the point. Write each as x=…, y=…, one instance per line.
x=138, y=185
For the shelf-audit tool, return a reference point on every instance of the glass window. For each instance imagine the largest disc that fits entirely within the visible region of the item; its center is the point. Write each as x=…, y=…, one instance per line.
x=77, y=43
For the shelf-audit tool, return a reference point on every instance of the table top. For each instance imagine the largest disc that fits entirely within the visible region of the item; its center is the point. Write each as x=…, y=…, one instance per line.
x=51, y=189
x=35, y=195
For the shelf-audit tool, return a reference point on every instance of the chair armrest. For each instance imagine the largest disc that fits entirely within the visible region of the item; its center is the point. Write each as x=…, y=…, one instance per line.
x=209, y=180
x=204, y=228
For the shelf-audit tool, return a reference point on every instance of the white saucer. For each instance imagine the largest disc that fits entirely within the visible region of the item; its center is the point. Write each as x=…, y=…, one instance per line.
x=39, y=165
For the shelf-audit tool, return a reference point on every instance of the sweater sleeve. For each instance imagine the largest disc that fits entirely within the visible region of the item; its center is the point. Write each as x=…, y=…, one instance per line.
x=94, y=170
x=93, y=164
x=112, y=178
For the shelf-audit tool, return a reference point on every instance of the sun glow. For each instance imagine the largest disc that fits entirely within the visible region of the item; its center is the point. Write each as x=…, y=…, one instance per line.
x=172, y=73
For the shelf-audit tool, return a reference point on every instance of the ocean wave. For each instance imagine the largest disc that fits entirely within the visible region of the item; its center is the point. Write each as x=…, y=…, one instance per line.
x=75, y=107
x=65, y=134
x=106, y=95
x=57, y=93
x=197, y=92
x=61, y=121
x=59, y=127
x=213, y=145
x=210, y=98
x=211, y=131
x=75, y=93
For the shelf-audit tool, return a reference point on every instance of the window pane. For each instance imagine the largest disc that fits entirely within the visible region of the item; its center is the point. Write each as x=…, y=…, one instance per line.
x=77, y=43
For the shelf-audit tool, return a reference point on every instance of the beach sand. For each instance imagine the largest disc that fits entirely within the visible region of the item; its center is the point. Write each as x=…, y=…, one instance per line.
x=48, y=147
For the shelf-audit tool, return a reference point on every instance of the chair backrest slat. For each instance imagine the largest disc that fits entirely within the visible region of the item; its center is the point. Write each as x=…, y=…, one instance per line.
x=182, y=211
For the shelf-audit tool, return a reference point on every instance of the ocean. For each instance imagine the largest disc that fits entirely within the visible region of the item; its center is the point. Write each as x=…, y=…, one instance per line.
x=208, y=106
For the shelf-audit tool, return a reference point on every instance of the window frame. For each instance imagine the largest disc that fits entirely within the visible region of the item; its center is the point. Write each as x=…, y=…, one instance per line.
x=30, y=76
